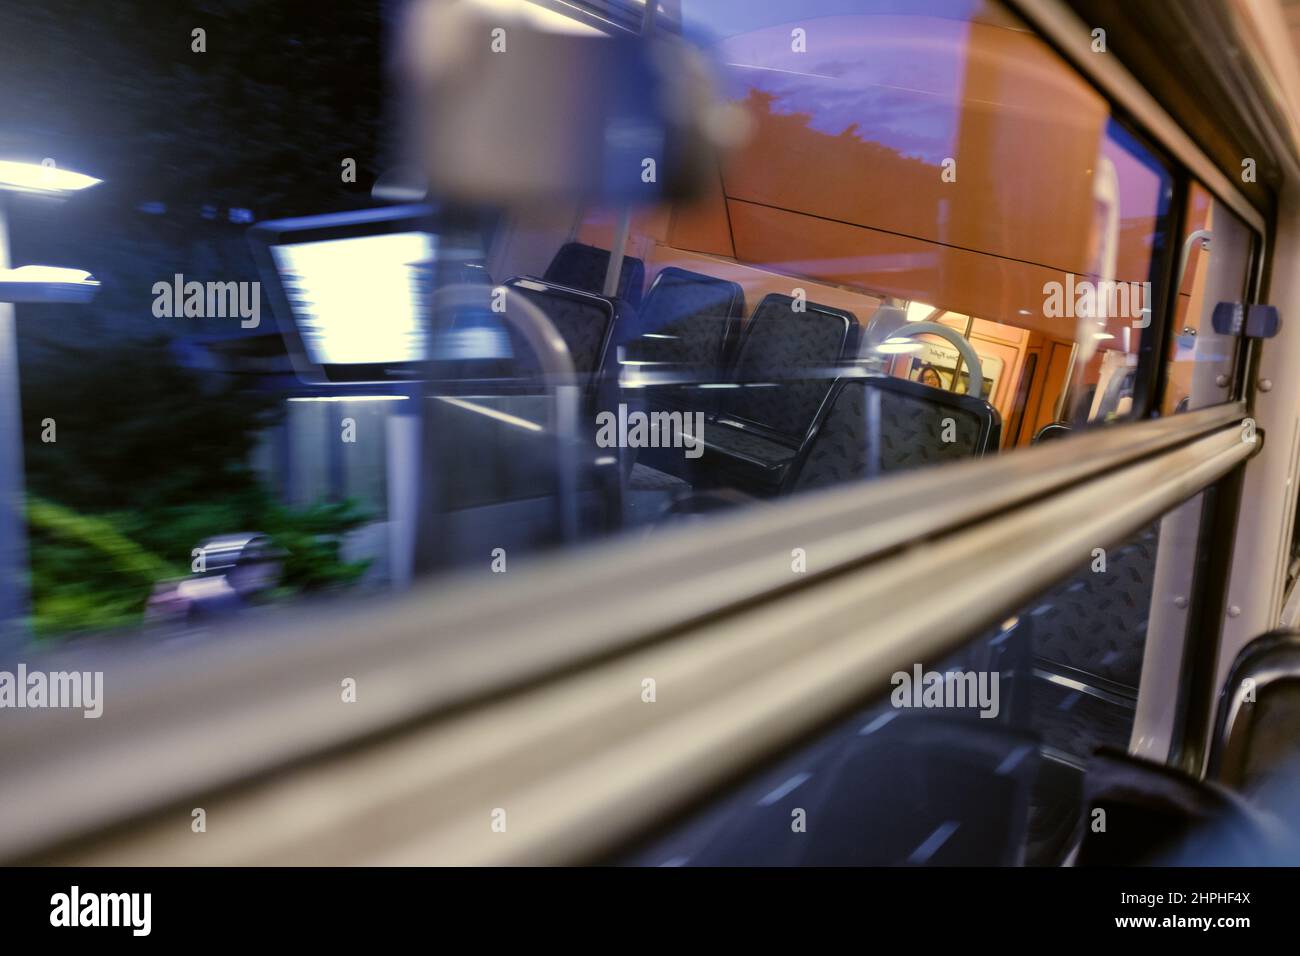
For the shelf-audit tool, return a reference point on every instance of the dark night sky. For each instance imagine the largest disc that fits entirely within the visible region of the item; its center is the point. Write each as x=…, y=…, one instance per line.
x=262, y=119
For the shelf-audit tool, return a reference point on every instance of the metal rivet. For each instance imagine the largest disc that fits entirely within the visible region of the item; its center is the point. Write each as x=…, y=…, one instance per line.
x=1221, y=381
x=1180, y=601
x=1234, y=611
x=1265, y=384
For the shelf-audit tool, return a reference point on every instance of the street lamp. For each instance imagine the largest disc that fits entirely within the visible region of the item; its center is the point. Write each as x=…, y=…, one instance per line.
x=46, y=180
x=23, y=285
x=47, y=284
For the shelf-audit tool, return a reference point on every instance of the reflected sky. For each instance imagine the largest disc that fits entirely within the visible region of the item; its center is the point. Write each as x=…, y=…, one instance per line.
x=888, y=71
x=891, y=80
x=706, y=20
x=894, y=73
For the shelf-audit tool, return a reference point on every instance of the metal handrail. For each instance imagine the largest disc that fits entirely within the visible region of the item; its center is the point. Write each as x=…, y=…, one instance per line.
x=975, y=386
x=1268, y=660
x=170, y=719
x=581, y=764
x=558, y=375
x=1204, y=237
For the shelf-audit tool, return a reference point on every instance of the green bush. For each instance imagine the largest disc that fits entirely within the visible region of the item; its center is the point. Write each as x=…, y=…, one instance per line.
x=150, y=459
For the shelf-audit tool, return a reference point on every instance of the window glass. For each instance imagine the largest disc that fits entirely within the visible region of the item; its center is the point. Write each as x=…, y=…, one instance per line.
x=932, y=242
x=980, y=758
x=916, y=257
x=171, y=469
x=1214, y=259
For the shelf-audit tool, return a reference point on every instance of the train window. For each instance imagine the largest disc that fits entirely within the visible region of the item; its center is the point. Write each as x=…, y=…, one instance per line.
x=1214, y=266
x=933, y=243
x=813, y=284
x=979, y=758
x=875, y=281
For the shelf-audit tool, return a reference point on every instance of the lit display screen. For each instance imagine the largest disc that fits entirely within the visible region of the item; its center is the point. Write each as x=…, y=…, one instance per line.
x=359, y=300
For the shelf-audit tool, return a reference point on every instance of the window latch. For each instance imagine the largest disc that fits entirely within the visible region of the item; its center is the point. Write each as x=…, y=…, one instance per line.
x=1252, y=321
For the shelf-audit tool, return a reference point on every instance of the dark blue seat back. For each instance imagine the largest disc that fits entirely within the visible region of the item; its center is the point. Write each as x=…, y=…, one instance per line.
x=781, y=350
x=688, y=321
x=583, y=267
x=880, y=424
x=585, y=321
x=1096, y=623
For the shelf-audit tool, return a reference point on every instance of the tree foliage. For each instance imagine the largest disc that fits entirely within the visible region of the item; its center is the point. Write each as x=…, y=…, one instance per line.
x=150, y=459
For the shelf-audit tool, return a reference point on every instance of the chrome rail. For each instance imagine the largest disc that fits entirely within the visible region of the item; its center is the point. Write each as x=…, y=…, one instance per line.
x=527, y=692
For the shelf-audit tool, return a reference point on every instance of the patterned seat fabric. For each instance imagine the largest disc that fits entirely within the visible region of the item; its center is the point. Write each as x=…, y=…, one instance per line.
x=687, y=322
x=583, y=321
x=645, y=478
x=689, y=318
x=756, y=451
x=778, y=344
x=1097, y=622
x=583, y=267
x=914, y=425
x=782, y=355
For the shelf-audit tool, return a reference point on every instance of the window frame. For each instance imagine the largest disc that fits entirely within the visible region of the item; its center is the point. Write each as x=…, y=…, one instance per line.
x=615, y=605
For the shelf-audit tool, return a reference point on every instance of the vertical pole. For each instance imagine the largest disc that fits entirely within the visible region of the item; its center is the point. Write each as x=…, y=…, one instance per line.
x=14, y=584
x=614, y=270
x=459, y=232
x=402, y=450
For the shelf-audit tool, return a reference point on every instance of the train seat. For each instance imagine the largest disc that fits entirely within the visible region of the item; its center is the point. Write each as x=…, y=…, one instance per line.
x=688, y=323
x=580, y=266
x=880, y=424
x=586, y=321
x=1258, y=722
x=776, y=390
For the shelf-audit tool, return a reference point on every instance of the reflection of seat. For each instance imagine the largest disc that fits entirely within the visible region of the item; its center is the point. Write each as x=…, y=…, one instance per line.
x=1258, y=726
x=687, y=323
x=881, y=424
x=585, y=321
x=1095, y=623
x=1085, y=637
x=865, y=427
x=583, y=267
x=764, y=416
x=481, y=345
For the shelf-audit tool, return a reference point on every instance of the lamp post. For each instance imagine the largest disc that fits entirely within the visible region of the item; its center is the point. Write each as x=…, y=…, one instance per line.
x=23, y=285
